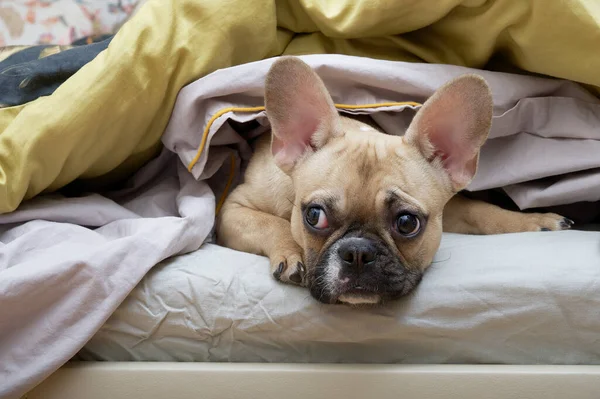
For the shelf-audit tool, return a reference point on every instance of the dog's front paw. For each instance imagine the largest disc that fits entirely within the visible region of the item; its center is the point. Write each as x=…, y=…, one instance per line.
x=288, y=267
x=546, y=222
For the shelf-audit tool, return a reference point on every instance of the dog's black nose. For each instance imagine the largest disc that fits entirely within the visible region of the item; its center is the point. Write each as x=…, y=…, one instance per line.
x=357, y=252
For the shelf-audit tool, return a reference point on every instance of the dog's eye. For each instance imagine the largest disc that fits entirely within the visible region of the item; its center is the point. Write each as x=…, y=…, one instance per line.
x=316, y=217
x=407, y=224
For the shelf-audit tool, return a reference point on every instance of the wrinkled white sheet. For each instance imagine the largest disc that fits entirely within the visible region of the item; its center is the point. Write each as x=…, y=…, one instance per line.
x=518, y=298
x=66, y=264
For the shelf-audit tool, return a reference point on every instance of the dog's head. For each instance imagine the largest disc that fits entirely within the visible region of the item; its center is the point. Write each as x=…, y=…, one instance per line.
x=368, y=206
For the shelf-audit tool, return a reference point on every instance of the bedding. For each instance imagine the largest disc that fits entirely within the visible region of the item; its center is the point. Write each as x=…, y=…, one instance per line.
x=68, y=261
x=70, y=258
x=511, y=299
x=535, y=120
x=170, y=43
x=517, y=298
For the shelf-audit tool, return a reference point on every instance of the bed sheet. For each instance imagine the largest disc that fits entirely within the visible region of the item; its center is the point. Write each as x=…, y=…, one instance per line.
x=525, y=298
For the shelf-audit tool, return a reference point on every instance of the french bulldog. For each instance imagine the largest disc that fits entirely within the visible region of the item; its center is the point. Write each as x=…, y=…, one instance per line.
x=352, y=213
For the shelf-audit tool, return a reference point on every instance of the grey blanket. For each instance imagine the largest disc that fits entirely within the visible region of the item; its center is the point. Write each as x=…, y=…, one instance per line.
x=544, y=146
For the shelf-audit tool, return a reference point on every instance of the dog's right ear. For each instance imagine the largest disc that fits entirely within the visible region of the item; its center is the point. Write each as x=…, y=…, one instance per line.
x=452, y=126
x=300, y=110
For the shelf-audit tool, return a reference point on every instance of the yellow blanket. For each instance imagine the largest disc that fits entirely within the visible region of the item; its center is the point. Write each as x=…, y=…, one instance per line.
x=108, y=118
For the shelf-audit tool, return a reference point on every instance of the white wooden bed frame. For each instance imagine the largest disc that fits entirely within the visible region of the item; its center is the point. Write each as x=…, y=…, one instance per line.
x=107, y=380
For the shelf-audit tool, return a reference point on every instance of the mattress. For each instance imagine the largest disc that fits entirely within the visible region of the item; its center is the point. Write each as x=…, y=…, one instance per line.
x=524, y=298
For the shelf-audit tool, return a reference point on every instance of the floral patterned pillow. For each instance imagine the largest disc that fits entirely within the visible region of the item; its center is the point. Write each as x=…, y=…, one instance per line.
x=26, y=22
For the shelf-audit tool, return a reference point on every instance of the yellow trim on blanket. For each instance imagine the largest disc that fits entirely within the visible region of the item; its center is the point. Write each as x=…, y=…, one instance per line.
x=209, y=124
x=262, y=108
x=378, y=105
x=227, y=186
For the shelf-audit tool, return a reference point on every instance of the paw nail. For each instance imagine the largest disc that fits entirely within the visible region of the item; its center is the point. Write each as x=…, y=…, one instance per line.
x=566, y=223
x=301, y=268
x=544, y=229
x=277, y=273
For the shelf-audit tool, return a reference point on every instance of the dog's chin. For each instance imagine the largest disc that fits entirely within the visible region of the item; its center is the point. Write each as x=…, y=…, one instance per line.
x=359, y=299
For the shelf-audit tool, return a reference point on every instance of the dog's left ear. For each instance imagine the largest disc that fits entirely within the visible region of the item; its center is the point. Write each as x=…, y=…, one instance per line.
x=300, y=110
x=452, y=125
